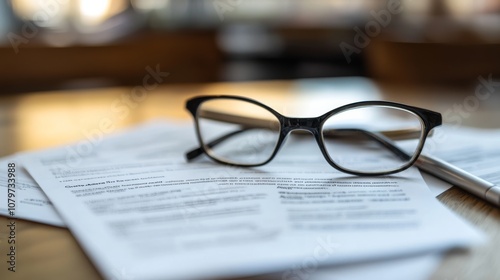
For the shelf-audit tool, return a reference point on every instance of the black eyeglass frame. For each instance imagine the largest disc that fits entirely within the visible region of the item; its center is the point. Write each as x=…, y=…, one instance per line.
x=430, y=120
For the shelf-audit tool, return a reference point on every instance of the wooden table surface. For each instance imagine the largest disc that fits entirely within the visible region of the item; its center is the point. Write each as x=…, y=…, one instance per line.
x=39, y=120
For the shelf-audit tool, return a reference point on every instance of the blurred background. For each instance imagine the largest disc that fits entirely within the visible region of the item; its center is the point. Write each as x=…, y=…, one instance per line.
x=58, y=44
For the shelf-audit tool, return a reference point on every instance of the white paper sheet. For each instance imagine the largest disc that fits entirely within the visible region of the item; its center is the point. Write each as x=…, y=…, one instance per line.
x=233, y=221
x=35, y=206
x=32, y=204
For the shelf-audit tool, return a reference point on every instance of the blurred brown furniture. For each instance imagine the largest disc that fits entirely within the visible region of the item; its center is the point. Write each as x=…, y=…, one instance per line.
x=188, y=55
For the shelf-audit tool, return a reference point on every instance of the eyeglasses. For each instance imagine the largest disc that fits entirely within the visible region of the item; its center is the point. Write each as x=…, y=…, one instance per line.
x=362, y=138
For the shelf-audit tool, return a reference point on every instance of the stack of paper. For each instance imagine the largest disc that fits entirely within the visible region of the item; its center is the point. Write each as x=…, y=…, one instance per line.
x=140, y=212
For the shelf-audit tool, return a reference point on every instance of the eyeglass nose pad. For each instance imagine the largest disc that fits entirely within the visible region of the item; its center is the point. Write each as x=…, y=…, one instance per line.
x=283, y=142
x=297, y=132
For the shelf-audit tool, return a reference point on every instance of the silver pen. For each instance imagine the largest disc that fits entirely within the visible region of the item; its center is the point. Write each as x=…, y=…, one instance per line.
x=460, y=178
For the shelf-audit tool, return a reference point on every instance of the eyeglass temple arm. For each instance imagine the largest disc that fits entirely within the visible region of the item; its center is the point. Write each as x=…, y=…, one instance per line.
x=199, y=151
x=378, y=137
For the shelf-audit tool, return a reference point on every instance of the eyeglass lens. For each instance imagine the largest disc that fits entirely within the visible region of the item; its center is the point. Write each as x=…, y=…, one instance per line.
x=354, y=138
x=235, y=143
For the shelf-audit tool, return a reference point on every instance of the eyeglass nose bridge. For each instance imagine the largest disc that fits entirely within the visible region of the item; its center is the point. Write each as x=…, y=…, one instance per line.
x=309, y=124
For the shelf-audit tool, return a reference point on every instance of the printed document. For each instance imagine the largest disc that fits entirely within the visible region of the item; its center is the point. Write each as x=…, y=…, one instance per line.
x=153, y=217
x=35, y=206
